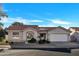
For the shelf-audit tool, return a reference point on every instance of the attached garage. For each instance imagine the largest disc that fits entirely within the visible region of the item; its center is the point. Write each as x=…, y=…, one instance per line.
x=58, y=37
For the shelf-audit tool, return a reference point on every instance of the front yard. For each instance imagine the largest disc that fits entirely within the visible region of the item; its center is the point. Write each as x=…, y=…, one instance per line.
x=4, y=43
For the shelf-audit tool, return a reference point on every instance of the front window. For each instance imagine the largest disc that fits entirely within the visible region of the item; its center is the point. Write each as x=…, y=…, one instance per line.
x=15, y=33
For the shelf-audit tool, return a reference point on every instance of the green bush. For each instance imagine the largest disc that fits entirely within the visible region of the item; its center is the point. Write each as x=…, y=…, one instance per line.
x=6, y=42
x=33, y=40
x=43, y=41
x=3, y=43
x=47, y=41
x=1, y=39
x=11, y=42
x=2, y=33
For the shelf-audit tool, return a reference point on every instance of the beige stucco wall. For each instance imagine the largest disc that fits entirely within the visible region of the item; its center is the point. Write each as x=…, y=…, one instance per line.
x=6, y=37
x=11, y=38
x=22, y=35
x=30, y=29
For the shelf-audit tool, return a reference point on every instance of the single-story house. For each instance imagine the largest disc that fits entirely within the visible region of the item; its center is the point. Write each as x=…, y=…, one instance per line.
x=74, y=35
x=22, y=33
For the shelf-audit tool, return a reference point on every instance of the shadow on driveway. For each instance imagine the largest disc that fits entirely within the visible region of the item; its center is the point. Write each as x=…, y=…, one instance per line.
x=66, y=50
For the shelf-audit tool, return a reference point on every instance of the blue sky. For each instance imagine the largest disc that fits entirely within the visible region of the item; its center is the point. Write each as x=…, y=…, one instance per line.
x=42, y=14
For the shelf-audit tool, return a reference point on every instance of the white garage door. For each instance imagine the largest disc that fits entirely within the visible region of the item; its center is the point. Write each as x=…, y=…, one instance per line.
x=58, y=37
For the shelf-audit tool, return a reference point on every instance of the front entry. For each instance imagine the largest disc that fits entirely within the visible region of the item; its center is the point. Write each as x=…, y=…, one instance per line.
x=42, y=36
x=29, y=35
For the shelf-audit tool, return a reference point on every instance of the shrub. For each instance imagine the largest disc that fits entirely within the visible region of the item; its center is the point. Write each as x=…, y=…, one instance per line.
x=3, y=43
x=33, y=40
x=43, y=41
x=47, y=41
x=2, y=33
x=1, y=39
x=11, y=43
x=6, y=42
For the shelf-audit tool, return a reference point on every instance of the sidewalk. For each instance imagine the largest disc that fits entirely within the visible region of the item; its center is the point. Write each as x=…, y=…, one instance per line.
x=4, y=46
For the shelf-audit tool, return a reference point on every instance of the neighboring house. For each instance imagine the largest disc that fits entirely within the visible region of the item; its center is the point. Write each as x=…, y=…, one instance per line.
x=25, y=32
x=74, y=33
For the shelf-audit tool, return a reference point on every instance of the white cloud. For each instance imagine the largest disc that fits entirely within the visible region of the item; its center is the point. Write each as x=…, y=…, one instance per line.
x=50, y=23
x=36, y=21
x=9, y=21
x=18, y=19
x=58, y=21
x=3, y=19
x=47, y=25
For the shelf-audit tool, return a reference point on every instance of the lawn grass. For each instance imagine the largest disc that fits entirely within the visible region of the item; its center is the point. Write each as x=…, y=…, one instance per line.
x=4, y=43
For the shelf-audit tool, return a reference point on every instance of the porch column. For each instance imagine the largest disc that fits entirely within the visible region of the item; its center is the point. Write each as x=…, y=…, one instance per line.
x=24, y=37
x=46, y=36
x=69, y=39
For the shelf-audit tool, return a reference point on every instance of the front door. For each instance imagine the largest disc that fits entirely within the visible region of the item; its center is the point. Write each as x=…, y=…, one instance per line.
x=29, y=35
x=43, y=36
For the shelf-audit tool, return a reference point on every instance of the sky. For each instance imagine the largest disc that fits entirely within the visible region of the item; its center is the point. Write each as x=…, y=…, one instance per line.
x=42, y=14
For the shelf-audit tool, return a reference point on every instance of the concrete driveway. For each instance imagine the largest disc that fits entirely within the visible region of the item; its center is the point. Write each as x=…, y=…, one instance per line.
x=23, y=52
x=50, y=45
x=32, y=52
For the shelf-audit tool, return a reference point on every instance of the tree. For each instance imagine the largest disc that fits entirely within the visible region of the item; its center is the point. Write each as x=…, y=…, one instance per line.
x=1, y=24
x=2, y=35
x=17, y=23
x=3, y=32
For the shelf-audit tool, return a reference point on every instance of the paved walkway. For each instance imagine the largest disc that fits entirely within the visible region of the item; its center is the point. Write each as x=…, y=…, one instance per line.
x=4, y=46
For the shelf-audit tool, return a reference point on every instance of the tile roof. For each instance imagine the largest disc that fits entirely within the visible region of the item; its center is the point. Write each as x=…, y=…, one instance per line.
x=46, y=28
x=22, y=27
x=52, y=28
x=65, y=29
